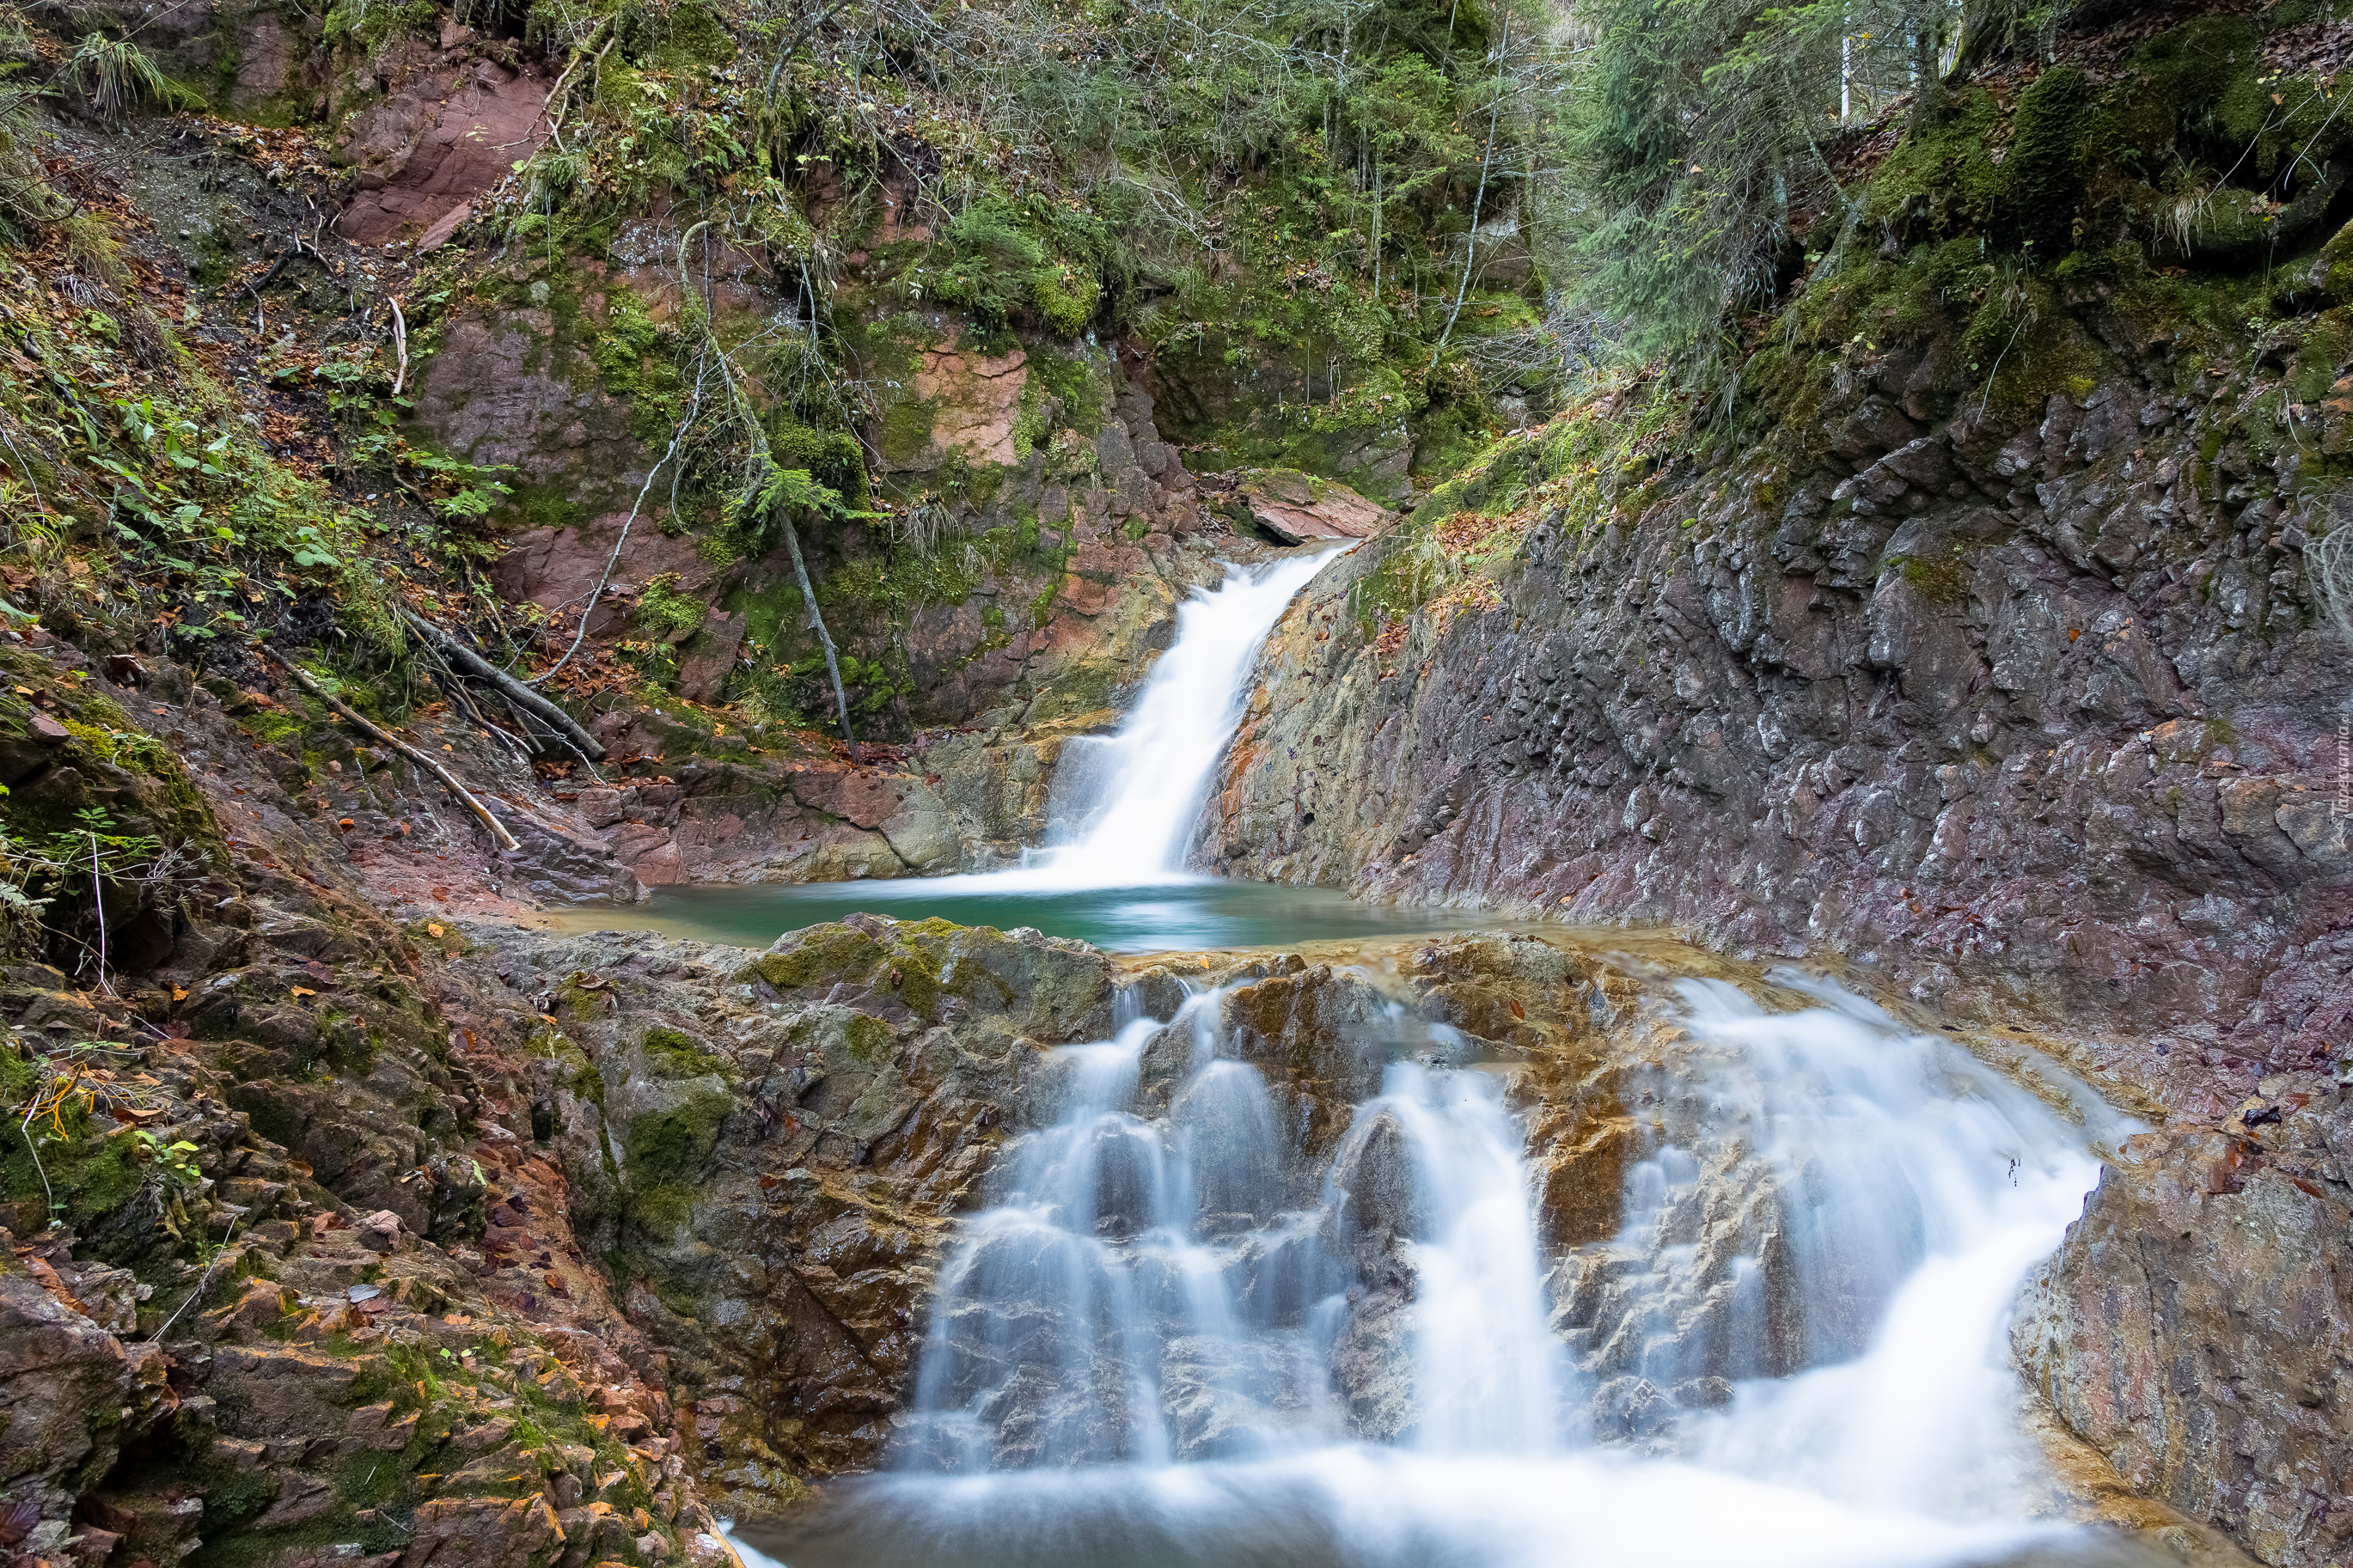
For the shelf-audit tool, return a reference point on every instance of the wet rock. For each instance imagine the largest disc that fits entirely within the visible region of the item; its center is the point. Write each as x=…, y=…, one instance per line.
x=2195, y=1328
x=74, y=1394
x=788, y=1139
x=1378, y=1175
x=1949, y=725
x=446, y=136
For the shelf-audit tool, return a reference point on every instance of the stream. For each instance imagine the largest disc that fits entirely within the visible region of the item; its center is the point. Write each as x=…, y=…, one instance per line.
x=1179, y=1334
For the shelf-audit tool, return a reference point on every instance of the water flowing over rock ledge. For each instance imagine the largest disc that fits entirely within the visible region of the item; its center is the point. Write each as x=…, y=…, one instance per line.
x=1997, y=712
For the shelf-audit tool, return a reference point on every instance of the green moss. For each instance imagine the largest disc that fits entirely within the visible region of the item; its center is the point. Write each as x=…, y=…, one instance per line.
x=664, y=612
x=371, y=25
x=92, y=1173
x=906, y=430
x=660, y=1208
x=1940, y=581
x=1036, y=260
x=672, y=1054
x=833, y=457
x=230, y=1494
x=2335, y=265
x=869, y=1039
x=2043, y=172
x=635, y=363
x=695, y=36
x=548, y=505
x=2325, y=352
x=675, y=1145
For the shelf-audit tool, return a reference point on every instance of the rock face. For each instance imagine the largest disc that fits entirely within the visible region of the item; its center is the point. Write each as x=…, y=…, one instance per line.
x=2036, y=724
x=1293, y=508
x=771, y=1150
x=2197, y=1327
x=447, y=128
x=2025, y=718
x=269, y=1285
x=818, y=820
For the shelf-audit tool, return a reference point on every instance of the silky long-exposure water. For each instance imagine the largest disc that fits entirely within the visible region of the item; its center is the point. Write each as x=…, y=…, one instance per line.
x=1180, y=1332
x=1137, y=1352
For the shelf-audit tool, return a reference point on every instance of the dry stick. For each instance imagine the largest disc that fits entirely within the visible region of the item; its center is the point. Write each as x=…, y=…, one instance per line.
x=499, y=834
x=457, y=690
x=553, y=106
x=98, y=901
x=482, y=669
x=523, y=744
x=1471, y=241
x=614, y=559
x=25, y=1130
x=196, y=1294
x=399, y=344
x=763, y=458
x=37, y=504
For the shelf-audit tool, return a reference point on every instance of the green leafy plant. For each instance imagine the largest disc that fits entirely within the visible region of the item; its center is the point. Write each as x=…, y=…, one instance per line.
x=114, y=74
x=665, y=612
x=177, y=1158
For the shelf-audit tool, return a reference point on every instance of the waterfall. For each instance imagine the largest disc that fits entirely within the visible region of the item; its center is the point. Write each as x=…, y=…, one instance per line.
x=1181, y=1333
x=1126, y=804
x=1122, y=806
x=1151, y=1289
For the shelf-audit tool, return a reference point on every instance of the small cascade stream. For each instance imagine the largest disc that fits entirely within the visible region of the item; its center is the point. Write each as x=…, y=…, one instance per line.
x=1188, y=1329
x=1177, y=1336
x=1171, y=1283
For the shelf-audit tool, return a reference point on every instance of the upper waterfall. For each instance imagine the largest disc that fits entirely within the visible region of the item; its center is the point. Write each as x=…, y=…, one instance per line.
x=1128, y=802
x=1125, y=803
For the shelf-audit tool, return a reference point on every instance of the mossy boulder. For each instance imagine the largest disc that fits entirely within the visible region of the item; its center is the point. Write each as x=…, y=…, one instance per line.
x=1049, y=988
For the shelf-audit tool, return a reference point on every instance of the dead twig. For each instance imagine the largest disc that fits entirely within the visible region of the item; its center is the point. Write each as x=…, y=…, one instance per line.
x=399, y=345
x=480, y=668
x=614, y=559
x=352, y=716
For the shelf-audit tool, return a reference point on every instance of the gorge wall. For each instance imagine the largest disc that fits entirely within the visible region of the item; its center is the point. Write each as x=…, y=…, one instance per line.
x=2012, y=688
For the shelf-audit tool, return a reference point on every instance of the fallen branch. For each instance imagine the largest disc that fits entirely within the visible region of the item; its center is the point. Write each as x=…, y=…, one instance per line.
x=399, y=345
x=515, y=691
x=555, y=106
x=762, y=472
x=522, y=746
x=613, y=560
x=98, y=901
x=499, y=834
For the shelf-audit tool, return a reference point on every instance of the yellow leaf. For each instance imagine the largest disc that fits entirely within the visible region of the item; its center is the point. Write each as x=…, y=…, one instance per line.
x=431, y=929
x=300, y=992
x=179, y=993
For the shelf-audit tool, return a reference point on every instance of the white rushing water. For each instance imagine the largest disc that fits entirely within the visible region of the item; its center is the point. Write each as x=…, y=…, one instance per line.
x=1188, y=1330
x=1131, y=805
x=1124, y=805
x=1164, y=1340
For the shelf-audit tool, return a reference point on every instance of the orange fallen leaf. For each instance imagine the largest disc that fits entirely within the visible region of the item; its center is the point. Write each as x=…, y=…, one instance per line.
x=432, y=928
x=299, y=992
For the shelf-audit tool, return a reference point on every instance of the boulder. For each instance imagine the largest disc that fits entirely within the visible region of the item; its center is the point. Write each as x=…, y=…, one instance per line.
x=1292, y=508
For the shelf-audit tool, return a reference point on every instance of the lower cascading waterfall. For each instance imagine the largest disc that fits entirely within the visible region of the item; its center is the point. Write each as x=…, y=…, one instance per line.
x=1180, y=1336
